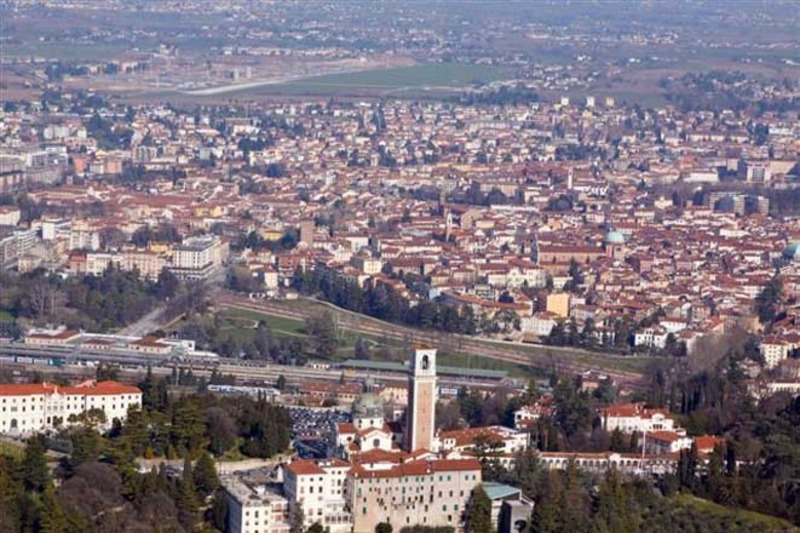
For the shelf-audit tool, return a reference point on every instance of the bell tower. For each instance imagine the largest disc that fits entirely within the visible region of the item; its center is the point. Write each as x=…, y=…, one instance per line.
x=420, y=423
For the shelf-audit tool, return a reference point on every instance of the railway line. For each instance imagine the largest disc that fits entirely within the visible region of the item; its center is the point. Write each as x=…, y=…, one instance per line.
x=20, y=355
x=557, y=358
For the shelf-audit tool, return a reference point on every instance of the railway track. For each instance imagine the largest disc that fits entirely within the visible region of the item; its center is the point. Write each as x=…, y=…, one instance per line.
x=552, y=357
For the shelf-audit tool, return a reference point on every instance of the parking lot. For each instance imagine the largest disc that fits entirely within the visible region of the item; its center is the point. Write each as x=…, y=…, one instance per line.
x=314, y=430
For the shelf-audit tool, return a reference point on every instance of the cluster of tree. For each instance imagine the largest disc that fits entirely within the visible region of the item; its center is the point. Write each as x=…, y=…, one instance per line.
x=108, y=135
x=504, y=96
x=580, y=152
x=29, y=208
x=99, y=303
x=255, y=241
x=571, y=500
x=164, y=232
x=137, y=176
x=56, y=71
x=383, y=302
x=259, y=343
x=570, y=334
x=102, y=490
x=193, y=424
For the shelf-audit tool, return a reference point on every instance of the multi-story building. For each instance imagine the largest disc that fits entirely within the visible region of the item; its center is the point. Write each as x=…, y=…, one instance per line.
x=197, y=257
x=255, y=509
x=636, y=418
x=31, y=408
x=318, y=488
x=424, y=492
x=148, y=264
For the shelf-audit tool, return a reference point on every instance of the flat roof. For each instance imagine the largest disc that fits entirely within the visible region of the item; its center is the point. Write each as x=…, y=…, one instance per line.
x=498, y=491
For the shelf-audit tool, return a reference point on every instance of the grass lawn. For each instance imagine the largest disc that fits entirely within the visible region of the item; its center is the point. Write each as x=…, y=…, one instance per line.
x=462, y=360
x=740, y=517
x=436, y=78
x=244, y=319
x=65, y=52
x=13, y=450
x=240, y=322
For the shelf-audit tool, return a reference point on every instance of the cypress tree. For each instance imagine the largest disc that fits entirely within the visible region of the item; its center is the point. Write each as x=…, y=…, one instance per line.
x=478, y=516
x=34, y=465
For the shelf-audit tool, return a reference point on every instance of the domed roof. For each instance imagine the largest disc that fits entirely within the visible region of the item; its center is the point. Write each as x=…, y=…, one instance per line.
x=792, y=251
x=368, y=405
x=614, y=237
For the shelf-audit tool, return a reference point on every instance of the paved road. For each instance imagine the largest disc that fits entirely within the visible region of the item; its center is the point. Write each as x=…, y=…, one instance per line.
x=155, y=319
x=148, y=323
x=549, y=357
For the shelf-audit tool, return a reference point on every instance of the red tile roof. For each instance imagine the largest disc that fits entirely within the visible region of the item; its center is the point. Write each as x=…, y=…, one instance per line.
x=90, y=388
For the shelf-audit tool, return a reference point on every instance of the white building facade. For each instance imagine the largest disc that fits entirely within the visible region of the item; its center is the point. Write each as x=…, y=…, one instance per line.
x=33, y=408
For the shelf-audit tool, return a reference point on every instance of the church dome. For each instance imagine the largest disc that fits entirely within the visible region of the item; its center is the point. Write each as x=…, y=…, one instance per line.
x=368, y=405
x=614, y=237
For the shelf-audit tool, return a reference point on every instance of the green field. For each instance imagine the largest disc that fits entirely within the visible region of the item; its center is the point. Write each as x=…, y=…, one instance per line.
x=736, y=519
x=240, y=323
x=66, y=52
x=445, y=78
x=450, y=352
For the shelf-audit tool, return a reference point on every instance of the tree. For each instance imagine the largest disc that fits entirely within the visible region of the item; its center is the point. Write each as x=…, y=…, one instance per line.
x=361, y=350
x=167, y=284
x=220, y=429
x=384, y=527
x=186, y=497
x=205, y=476
x=280, y=384
x=316, y=527
x=322, y=330
x=297, y=519
x=478, y=514
x=219, y=511
x=35, y=474
x=52, y=518
x=769, y=299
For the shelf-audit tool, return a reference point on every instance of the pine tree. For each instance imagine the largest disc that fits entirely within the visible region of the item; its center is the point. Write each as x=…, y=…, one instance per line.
x=205, y=476
x=478, y=515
